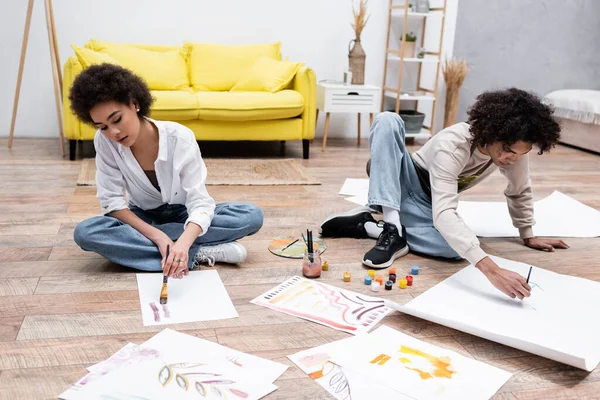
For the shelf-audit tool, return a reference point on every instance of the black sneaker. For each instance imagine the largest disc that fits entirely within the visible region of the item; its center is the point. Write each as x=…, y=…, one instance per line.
x=350, y=224
x=390, y=245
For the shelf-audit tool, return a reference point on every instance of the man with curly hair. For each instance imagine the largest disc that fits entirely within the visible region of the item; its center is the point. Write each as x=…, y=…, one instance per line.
x=418, y=193
x=170, y=222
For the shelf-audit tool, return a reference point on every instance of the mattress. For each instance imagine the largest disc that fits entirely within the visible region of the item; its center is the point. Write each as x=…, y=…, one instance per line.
x=577, y=105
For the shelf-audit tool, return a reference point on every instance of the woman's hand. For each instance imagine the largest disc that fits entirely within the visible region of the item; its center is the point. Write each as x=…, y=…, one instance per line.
x=162, y=241
x=545, y=244
x=176, y=265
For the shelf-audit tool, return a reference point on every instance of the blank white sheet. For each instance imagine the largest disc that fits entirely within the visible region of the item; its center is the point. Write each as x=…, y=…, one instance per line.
x=558, y=321
x=557, y=215
x=353, y=187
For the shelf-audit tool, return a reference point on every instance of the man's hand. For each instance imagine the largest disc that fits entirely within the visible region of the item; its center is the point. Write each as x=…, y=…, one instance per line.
x=545, y=244
x=508, y=282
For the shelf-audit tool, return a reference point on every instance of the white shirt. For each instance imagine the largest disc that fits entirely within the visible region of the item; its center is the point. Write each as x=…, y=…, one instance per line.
x=180, y=171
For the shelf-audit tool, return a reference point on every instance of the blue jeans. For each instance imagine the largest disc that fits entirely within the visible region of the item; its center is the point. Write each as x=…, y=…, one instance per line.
x=394, y=183
x=124, y=245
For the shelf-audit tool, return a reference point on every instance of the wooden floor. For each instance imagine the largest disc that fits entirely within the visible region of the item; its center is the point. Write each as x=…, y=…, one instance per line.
x=62, y=309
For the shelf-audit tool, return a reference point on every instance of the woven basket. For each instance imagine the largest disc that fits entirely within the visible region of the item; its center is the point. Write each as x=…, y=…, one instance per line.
x=356, y=60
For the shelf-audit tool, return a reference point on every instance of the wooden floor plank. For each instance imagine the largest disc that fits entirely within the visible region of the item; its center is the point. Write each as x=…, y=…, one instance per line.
x=15, y=254
x=9, y=328
x=86, y=283
x=69, y=303
x=277, y=337
x=17, y=286
x=39, y=383
x=93, y=266
x=75, y=350
x=120, y=322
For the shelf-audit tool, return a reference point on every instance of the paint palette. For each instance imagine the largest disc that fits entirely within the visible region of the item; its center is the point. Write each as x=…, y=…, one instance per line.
x=294, y=247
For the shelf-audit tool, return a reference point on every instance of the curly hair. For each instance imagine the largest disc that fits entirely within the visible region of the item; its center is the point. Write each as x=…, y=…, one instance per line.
x=513, y=115
x=108, y=82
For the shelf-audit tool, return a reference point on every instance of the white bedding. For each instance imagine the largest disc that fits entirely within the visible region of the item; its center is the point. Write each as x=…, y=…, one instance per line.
x=578, y=105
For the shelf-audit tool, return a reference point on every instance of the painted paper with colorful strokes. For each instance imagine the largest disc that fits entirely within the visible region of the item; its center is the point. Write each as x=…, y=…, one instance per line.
x=416, y=369
x=175, y=365
x=340, y=382
x=328, y=305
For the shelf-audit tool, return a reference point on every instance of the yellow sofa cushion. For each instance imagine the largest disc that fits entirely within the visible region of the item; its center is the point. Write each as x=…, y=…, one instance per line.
x=174, y=104
x=267, y=75
x=99, y=45
x=215, y=67
x=249, y=106
x=163, y=68
x=89, y=57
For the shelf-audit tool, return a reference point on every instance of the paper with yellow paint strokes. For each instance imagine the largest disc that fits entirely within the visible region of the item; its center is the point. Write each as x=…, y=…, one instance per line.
x=341, y=383
x=417, y=369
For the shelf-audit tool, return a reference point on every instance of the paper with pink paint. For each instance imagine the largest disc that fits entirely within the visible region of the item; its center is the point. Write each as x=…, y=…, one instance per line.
x=324, y=304
x=200, y=296
x=173, y=365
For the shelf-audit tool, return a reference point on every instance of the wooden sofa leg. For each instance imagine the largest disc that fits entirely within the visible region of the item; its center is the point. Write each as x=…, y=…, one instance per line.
x=305, y=148
x=72, y=149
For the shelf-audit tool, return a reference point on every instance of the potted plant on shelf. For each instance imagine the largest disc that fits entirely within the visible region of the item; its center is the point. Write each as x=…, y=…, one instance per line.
x=410, y=41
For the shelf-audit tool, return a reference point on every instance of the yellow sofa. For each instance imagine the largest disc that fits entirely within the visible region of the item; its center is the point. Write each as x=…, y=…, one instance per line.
x=196, y=85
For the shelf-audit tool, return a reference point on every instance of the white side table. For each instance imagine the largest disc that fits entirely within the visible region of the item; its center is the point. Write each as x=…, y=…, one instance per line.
x=342, y=98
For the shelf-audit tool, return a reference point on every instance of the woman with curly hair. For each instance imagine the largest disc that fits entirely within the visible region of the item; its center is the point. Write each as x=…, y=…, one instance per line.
x=159, y=167
x=418, y=193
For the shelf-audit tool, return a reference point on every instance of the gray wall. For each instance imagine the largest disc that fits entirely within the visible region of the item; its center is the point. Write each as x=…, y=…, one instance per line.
x=537, y=45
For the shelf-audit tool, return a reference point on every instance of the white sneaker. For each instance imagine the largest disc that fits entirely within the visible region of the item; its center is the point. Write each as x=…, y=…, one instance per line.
x=230, y=253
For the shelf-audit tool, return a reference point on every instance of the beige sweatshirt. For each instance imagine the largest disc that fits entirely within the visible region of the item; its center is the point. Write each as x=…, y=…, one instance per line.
x=448, y=159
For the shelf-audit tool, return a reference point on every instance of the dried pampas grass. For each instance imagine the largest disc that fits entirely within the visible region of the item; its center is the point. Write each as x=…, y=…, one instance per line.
x=360, y=18
x=454, y=72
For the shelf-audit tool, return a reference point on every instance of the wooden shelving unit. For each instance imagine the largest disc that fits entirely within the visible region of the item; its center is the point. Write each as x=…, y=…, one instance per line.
x=400, y=13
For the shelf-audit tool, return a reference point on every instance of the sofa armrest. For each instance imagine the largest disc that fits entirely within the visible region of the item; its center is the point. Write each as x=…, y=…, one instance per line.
x=305, y=82
x=72, y=125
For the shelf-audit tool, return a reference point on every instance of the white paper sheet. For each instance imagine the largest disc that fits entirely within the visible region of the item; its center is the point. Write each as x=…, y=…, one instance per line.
x=557, y=215
x=200, y=296
x=341, y=383
x=353, y=187
x=403, y=367
x=131, y=355
x=558, y=321
x=247, y=363
x=154, y=380
x=123, y=356
x=328, y=305
x=173, y=365
x=358, y=189
x=361, y=200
